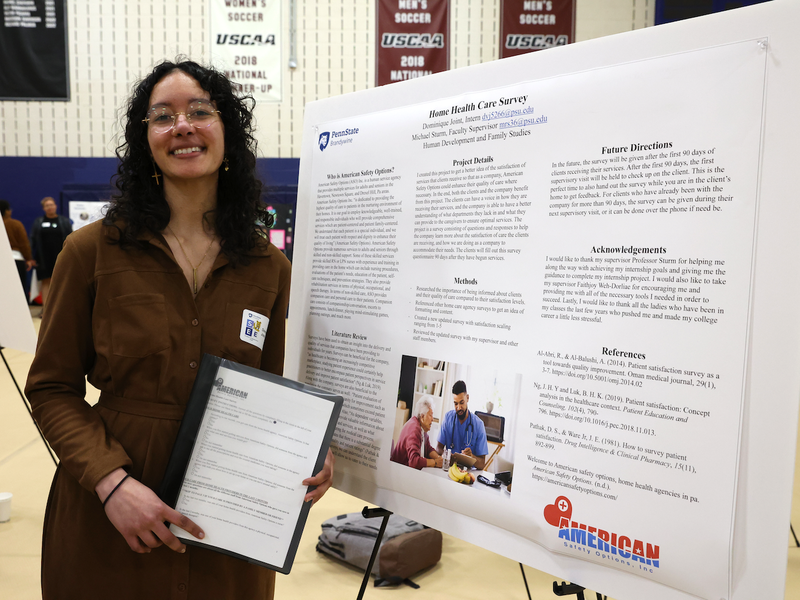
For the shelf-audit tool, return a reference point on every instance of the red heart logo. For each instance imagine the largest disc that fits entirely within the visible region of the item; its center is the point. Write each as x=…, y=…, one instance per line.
x=560, y=509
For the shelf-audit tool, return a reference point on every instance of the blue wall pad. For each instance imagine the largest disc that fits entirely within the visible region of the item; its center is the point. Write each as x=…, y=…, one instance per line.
x=24, y=181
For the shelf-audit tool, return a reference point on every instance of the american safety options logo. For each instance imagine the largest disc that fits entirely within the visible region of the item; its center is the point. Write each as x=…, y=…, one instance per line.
x=597, y=542
x=225, y=389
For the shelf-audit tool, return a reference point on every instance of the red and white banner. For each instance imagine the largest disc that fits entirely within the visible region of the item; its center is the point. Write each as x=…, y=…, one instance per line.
x=413, y=39
x=530, y=25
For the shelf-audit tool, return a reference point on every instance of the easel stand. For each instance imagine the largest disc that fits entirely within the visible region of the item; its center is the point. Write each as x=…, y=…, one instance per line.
x=27, y=407
x=369, y=513
x=570, y=589
x=525, y=579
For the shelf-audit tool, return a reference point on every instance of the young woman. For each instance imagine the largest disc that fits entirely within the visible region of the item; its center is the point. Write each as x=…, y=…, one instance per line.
x=135, y=302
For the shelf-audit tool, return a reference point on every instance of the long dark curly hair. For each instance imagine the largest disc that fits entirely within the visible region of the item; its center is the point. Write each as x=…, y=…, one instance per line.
x=139, y=206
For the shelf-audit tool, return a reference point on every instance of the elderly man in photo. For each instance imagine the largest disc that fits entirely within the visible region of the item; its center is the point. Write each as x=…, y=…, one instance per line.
x=413, y=447
x=462, y=431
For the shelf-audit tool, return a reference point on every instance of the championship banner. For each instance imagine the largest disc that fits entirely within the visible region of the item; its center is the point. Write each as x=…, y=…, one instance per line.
x=246, y=45
x=33, y=44
x=530, y=25
x=412, y=39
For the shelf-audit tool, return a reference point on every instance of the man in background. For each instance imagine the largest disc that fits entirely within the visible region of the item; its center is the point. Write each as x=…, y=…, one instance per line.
x=20, y=247
x=47, y=239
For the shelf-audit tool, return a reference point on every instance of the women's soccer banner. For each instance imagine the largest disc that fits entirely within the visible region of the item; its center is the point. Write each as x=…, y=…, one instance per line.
x=413, y=39
x=246, y=45
x=33, y=44
x=530, y=25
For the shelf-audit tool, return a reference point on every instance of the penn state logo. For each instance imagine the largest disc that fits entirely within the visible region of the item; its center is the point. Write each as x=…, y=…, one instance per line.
x=324, y=138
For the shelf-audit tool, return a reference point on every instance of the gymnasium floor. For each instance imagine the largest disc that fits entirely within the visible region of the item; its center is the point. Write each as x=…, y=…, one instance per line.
x=26, y=470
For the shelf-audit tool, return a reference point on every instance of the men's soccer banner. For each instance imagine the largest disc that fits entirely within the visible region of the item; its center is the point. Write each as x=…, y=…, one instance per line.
x=413, y=39
x=246, y=45
x=530, y=25
x=33, y=46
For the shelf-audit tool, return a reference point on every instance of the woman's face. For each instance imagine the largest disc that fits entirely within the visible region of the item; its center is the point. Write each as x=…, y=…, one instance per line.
x=50, y=209
x=426, y=420
x=185, y=152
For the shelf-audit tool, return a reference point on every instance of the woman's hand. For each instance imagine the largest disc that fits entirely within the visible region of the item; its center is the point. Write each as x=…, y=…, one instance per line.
x=139, y=515
x=322, y=480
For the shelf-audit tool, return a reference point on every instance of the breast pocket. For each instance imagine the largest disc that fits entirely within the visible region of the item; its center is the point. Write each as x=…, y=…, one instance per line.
x=139, y=325
x=234, y=347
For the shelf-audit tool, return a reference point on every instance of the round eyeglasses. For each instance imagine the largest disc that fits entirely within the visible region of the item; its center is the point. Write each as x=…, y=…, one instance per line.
x=199, y=114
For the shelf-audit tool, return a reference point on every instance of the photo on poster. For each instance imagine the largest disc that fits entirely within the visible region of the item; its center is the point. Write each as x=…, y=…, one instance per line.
x=452, y=415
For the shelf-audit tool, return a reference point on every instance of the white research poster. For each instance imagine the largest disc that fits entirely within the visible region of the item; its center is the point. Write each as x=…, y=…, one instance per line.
x=246, y=45
x=593, y=234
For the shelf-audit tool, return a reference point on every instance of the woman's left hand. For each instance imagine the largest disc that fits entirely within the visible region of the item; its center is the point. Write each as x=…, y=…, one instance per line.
x=322, y=480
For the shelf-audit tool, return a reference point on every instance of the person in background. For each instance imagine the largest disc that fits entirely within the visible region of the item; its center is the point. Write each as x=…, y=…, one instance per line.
x=20, y=247
x=171, y=273
x=413, y=448
x=47, y=238
x=461, y=431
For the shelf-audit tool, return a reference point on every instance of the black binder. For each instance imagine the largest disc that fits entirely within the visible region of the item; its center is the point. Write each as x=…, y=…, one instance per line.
x=188, y=435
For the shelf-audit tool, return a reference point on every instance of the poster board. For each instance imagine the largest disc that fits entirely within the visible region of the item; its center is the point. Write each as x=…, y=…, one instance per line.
x=82, y=213
x=627, y=97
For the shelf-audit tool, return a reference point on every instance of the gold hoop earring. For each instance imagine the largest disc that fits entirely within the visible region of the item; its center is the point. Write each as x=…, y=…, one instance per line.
x=155, y=170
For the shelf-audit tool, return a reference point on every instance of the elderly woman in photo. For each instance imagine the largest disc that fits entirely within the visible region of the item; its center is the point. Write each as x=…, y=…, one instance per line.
x=413, y=447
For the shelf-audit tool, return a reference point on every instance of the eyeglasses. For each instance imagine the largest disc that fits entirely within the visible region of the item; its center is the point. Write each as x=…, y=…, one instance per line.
x=199, y=114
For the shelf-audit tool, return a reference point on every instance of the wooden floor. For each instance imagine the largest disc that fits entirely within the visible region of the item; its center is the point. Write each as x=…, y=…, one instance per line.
x=26, y=470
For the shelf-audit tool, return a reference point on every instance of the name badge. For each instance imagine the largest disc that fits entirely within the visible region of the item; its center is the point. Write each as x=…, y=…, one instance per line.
x=254, y=328
x=46, y=224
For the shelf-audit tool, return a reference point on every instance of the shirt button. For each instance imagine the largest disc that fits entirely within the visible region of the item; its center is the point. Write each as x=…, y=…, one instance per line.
x=181, y=587
x=193, y=365
x=195, y=322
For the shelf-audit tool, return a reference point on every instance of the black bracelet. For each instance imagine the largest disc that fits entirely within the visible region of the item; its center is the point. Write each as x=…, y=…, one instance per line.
x=121, y=481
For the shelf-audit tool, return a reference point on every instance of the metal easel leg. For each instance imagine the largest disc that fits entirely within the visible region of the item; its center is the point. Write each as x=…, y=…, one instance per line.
x=568, y=589
x=27, y=407
x=525, y=579
x=370, y=513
